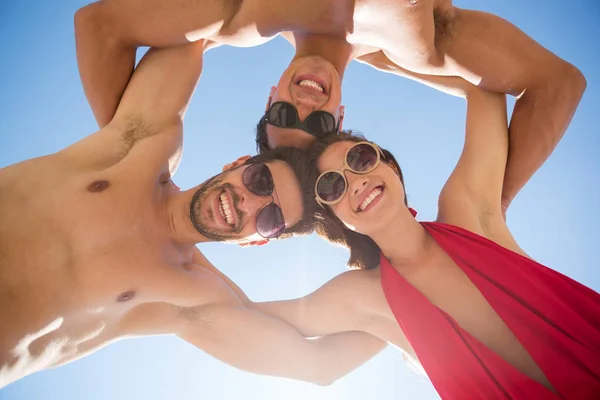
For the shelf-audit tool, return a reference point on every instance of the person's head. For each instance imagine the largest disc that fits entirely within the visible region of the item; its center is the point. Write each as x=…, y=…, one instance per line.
x=356, y=205
x=258, y=198
x=306, y=103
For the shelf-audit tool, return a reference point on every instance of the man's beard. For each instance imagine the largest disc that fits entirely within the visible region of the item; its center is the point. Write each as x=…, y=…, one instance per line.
x=199, y=220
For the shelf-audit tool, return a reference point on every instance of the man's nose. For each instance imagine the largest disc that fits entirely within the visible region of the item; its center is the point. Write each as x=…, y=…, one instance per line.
x=250, y=203
x=305, y=106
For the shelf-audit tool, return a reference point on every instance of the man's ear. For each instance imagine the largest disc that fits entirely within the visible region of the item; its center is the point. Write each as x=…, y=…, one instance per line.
x=271, y=94
x=341, y=118
x=254, y=243
x=236, y=163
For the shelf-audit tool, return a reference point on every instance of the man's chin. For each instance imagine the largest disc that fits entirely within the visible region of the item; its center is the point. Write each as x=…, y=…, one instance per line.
x=279, y=137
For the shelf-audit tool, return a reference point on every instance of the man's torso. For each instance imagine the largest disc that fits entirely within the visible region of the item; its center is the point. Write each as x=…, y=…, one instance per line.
x=86, y=258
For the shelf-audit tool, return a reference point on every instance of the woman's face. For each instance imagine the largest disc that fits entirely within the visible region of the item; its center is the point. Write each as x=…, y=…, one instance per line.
x=372, y=200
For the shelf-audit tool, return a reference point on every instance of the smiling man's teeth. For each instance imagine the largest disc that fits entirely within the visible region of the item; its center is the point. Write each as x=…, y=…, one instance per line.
x=376, y=192
x=311, y=84
x=224, y=209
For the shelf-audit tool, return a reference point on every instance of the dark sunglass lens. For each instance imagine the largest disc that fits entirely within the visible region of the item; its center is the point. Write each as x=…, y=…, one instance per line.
x=361, y=157
x=331, y=186
x=269, y=222
x=283, y=115
x=258, y=179
x=320, y=123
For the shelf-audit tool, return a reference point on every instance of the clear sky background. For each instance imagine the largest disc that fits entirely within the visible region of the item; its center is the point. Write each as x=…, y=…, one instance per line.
x=555, y=218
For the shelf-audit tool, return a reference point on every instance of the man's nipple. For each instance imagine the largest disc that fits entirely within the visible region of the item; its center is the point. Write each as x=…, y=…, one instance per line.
x=98, y=186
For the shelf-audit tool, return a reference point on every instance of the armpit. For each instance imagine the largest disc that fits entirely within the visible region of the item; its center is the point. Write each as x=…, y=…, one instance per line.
x=134, y=131
x=444, y=22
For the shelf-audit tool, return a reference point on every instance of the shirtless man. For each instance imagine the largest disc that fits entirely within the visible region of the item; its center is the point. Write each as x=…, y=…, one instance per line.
x=98, y=244
x=429, y=37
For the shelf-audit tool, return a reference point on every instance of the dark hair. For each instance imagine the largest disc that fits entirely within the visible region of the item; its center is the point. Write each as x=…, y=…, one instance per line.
x=262, y=141
x=303, y=164
x=364, y=252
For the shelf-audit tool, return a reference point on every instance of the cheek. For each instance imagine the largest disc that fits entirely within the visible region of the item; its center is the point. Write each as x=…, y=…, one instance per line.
x=281, y=94
x=345, y=215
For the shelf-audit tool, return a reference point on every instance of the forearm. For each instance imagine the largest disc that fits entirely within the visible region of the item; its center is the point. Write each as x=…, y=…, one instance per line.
x=452, y=85
x=288, y=311
x=339, y=349
x=540, y=118
x=254, y=342
x=105, y=62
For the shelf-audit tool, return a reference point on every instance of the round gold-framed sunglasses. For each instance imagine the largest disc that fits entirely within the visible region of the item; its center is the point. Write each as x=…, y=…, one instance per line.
x=332, y=185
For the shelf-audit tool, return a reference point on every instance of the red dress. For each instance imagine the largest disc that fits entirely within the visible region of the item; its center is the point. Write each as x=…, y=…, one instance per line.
x=556, y=319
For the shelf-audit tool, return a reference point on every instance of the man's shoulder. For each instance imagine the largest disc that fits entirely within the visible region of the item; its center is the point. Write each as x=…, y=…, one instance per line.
x=199, y=260
x=194, y=295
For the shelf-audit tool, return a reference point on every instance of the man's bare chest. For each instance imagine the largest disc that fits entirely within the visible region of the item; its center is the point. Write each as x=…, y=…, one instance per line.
x=92, y=238
x=79, y=252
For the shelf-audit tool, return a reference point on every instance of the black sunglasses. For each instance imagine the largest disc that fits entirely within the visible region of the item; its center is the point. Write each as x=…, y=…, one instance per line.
x=269, y=221
x=361, y=158
x=285, y=115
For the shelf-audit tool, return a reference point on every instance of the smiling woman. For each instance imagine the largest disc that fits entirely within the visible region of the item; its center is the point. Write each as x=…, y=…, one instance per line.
x=351, y=152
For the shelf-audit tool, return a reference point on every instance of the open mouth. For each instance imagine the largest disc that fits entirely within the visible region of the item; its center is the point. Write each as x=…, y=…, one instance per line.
x=371, y=199
x=312, y=83
x=226, y=209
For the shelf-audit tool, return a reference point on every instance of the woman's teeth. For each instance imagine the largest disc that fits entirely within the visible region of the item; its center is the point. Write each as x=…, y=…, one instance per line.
x=311, y=84
x=225, y=209
x=374, y=194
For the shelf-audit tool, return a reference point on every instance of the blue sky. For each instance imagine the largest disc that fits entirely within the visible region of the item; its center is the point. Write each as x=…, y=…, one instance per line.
x=555, y=218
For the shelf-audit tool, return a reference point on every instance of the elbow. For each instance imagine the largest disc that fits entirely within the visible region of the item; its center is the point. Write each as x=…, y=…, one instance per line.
x=568, y=82
x=94, y=22
x=324, y=380
x=325, y=376
x=560, y=87
x=576, y=81
x=84, y=17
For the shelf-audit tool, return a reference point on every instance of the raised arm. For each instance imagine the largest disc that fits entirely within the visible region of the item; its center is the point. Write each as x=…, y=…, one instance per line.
x=108, y=33
x=153, y=104
x=472, y=196
x=490, y=52
x=494, y=54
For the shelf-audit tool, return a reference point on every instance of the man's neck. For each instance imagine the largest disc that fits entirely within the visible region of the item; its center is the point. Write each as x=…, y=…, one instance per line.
x=178, y=218
x=334, y=49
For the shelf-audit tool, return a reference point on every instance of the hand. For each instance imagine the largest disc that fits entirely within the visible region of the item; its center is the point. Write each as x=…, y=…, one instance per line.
x=236, y=163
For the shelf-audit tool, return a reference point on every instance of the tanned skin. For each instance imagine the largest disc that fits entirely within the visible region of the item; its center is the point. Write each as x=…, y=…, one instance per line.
x=97, y=245
x=424, y=37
